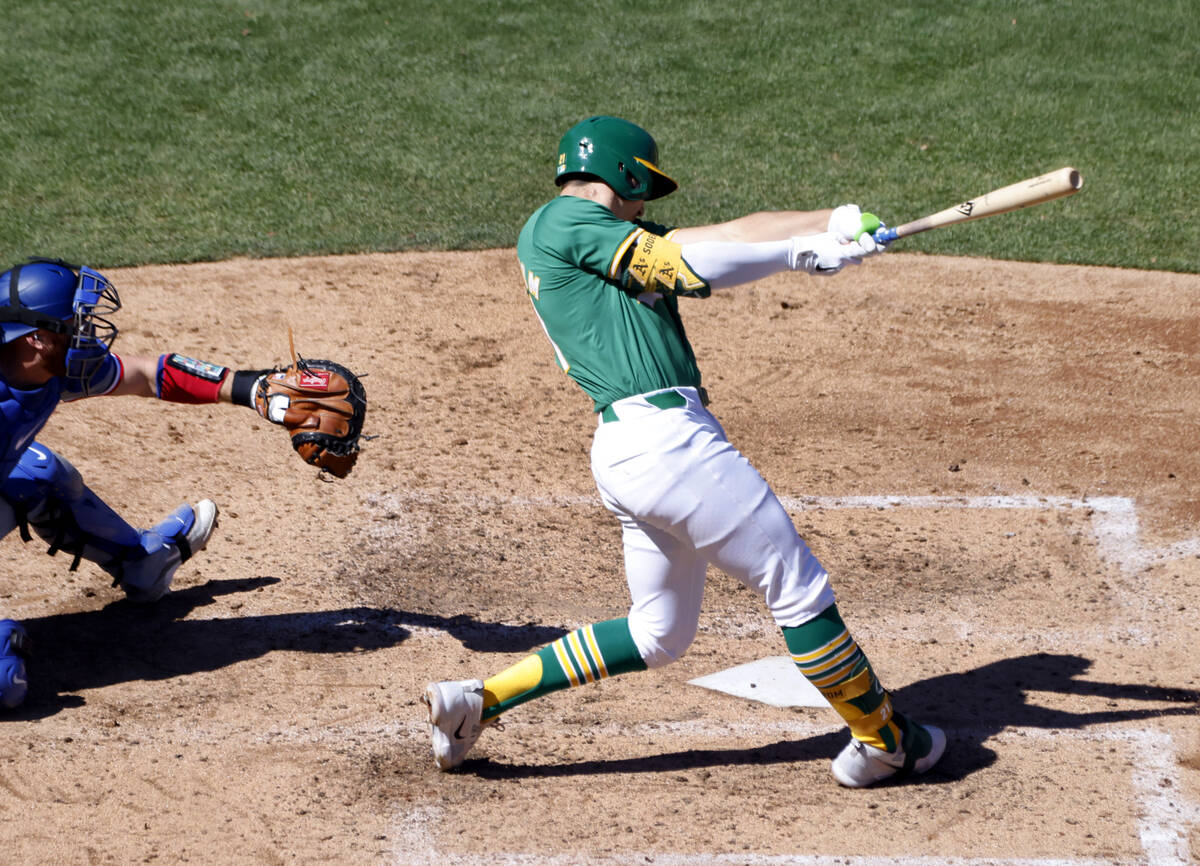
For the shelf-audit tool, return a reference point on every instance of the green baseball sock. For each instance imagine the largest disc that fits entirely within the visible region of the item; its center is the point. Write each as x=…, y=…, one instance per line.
x=586, y=655
x=831, y=660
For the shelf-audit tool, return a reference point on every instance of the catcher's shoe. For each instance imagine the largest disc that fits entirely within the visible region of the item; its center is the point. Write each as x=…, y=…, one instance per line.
x=455, y=719
x=190, y=539
x=859, y=765
x=177, y=537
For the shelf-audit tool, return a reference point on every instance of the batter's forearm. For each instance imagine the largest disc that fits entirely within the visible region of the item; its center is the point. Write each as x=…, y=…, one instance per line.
x=758, y=227
x=723, y=265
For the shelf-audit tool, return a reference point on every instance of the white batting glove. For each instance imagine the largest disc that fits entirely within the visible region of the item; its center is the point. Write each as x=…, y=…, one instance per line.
x=845, y=221
x=850, y=223
x=825, y=254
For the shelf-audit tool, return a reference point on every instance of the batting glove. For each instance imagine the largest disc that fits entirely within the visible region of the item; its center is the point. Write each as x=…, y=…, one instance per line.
x=825, y=254
x=849, y=223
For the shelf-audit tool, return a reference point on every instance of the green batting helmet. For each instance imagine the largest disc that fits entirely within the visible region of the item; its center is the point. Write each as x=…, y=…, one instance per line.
x=620, y=153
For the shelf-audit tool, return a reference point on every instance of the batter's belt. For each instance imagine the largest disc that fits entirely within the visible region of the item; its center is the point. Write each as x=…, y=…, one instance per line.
x=640, y=405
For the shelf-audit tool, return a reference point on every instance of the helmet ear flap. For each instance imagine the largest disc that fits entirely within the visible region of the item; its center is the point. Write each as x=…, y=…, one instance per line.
x=637, y=179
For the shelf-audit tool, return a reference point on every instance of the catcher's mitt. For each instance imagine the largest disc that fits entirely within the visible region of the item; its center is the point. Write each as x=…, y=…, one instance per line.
x=322, y=405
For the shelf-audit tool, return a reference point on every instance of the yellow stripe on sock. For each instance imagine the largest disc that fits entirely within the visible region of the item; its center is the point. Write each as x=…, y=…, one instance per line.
x=816, y=670
x=560, y=652
x=835, y=677
x=590, y=634
x=580, y=656
x=808, y=658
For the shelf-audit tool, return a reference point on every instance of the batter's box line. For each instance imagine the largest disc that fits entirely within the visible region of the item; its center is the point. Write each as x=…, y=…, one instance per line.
x=1162, y=822
x=1114, y=519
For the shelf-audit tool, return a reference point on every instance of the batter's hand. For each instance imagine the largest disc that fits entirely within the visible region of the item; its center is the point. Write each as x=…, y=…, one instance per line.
x=825, y=254
x=850, y=223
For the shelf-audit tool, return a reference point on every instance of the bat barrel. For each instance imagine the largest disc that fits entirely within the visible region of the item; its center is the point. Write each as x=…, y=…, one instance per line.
x=1031, y=191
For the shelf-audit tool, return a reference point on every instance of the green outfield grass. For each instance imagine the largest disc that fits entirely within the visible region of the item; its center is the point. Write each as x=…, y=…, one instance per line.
x=139, y=131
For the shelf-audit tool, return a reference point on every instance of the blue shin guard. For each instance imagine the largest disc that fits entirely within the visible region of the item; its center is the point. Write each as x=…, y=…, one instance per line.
x=49, y=497
x=14, y=649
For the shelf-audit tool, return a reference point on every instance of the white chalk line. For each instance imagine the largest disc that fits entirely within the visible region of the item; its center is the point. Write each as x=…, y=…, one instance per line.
x=1114, y=524
x=1114, y=518
x=1162, y=827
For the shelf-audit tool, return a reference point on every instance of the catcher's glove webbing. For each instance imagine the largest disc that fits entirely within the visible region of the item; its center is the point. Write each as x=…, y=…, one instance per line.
x=322, y=405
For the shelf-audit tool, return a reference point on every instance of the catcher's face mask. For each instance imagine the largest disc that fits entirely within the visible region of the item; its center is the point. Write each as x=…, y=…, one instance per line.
x=66, y=300
x=93, y=333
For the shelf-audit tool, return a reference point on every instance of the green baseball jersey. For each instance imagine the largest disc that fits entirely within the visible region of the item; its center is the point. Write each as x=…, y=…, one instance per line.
x=614, y=340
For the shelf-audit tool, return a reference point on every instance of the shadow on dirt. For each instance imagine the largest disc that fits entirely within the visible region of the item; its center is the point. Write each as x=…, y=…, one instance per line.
x=123, y=642
x=971, y=707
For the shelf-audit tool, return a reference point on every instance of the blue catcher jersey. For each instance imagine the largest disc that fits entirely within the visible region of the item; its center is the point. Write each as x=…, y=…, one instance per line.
x=25, y=412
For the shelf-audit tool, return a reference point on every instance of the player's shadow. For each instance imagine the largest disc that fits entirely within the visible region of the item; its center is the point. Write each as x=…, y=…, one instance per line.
x=488, y=637
x=124, y=642
x=971, y=707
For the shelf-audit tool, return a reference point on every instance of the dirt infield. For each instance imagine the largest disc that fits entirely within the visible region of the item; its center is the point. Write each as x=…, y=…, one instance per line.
x=997, y=462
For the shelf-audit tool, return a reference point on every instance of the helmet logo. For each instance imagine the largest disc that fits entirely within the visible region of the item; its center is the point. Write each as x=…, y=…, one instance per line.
x=585, y=148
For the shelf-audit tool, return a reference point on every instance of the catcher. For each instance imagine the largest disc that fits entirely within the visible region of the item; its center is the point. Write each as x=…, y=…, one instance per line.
x=57, y=348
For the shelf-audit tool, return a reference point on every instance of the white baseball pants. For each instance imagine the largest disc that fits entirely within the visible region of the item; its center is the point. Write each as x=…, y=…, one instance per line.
x=686, y=498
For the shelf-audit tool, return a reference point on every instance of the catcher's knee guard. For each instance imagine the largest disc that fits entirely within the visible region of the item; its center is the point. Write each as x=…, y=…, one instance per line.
x=49, y=497
x=14, y=648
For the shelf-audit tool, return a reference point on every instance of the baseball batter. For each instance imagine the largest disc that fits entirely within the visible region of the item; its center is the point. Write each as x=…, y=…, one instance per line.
x=605, y=285
x=56, y=348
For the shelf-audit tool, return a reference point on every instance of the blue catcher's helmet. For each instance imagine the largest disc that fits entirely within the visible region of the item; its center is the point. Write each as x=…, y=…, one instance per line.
x=38, y=294
x=56, y=296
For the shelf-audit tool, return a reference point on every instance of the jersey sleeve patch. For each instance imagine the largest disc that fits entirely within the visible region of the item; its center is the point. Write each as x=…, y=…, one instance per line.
x=655, y=264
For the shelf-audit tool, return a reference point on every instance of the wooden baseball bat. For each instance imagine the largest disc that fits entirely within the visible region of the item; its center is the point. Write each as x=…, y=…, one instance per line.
x=1031, y=191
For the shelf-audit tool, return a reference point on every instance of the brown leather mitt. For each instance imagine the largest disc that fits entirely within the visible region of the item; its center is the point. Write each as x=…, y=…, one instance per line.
x=322, y=405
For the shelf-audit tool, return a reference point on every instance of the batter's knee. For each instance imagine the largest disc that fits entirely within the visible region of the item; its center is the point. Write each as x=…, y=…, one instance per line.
x=660, y=643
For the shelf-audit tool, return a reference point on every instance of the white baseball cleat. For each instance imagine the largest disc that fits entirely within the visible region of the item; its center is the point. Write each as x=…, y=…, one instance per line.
x=455, y=719
x=859, y=765
x=196, y=538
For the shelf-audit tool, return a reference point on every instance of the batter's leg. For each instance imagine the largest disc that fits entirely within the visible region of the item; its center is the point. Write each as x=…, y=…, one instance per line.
x=666, y=585
x=742, y=528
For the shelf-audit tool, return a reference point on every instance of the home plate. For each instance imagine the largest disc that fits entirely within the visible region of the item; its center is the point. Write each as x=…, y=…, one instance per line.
x=773, y=680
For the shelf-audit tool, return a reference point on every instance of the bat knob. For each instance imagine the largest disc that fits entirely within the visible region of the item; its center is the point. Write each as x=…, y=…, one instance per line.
x=885, y=235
